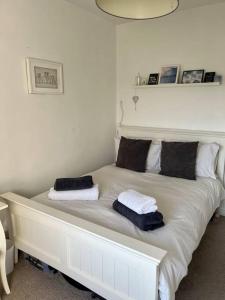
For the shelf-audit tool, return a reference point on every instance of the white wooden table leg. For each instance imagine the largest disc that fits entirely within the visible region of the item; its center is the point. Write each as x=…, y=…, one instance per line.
x=2, y=260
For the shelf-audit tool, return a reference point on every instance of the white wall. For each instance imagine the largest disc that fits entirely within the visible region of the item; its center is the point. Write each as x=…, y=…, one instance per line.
x=42, y=136
x=192, y=38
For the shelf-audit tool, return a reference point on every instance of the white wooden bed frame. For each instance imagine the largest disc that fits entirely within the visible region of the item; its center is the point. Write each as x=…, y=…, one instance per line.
x=113, y=265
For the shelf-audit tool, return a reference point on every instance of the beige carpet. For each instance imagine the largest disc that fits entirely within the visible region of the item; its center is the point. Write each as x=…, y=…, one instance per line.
x=206, y=276
x=28, y=283
x=206, y=279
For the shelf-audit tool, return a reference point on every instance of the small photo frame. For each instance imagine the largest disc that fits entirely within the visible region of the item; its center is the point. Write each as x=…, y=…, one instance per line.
x=193, y=76
x=209, y=76
x=44, y=76
x=153, y=79
x=169, y=74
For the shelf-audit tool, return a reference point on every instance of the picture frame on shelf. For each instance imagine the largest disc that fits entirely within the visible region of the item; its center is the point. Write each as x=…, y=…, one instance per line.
x=44, y=76
x=153, y=79
x=169, y=74
x=192, y=76
x=209, y=76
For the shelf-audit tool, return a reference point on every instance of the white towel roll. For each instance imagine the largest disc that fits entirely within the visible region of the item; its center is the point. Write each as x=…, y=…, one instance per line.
x=86, y=194
x=141, y=204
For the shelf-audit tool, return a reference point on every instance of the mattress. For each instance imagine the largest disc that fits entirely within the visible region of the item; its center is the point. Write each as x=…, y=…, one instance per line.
x=186, y=205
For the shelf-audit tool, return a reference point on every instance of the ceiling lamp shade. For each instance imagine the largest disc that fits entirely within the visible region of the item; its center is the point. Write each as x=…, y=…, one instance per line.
x=138, y=9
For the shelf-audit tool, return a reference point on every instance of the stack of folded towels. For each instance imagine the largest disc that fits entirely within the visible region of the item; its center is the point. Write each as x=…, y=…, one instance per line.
x=81, y=188
x=140, y=209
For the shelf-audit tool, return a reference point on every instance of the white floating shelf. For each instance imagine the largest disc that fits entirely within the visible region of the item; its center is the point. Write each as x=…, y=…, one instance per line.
x=175, y=85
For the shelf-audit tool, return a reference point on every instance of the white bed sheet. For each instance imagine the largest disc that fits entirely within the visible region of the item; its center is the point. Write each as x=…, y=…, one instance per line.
x=187, y=207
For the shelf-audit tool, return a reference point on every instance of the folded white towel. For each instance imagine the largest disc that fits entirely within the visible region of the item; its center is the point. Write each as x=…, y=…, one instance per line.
x=141, y=204
x=86, y=194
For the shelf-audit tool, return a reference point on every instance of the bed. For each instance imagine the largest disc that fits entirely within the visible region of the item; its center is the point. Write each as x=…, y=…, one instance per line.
x=104, y=251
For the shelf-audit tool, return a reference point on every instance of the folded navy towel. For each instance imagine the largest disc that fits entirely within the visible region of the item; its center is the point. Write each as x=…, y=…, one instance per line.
x=150, y=221
x=69, y=184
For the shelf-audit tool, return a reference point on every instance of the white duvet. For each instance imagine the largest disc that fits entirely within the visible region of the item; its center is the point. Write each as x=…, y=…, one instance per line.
x=187, y=207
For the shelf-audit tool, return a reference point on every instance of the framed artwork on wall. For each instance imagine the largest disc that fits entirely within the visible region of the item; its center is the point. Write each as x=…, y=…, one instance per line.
x=193, y=76
x=44, y=76
x=169, y=74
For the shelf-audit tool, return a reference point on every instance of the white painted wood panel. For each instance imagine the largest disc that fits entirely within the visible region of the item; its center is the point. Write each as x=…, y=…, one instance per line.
x=105, y=263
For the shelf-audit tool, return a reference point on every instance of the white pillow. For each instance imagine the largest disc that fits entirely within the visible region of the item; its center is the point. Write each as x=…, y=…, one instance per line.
x=153, y=158
x=207, y=160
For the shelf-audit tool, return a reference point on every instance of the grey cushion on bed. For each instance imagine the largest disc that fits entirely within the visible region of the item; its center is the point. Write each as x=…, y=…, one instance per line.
x=133, y=154
x=178, y=159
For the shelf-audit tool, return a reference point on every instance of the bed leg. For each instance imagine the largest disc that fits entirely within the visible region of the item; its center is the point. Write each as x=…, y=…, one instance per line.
x=16, y=255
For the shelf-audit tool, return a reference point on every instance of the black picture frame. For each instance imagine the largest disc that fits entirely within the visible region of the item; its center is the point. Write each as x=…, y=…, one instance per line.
x=209, y=76
x=192, y=76
x=153, y=79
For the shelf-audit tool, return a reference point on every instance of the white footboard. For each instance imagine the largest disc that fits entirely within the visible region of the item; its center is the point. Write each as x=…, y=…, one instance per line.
x=111, y=264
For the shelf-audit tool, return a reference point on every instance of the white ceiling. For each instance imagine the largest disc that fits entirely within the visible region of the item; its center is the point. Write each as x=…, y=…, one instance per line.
x=184, y=4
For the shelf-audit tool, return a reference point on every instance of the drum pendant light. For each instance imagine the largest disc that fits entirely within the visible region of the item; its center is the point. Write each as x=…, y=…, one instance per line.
x=138, y=9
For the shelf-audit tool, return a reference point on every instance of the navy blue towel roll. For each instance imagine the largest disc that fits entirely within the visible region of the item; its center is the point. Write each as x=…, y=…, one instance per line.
x=150, y=221
x=69, y=184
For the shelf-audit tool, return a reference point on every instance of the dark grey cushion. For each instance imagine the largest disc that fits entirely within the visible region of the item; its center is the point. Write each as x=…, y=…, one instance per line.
x=133, y=154
x=178, y=159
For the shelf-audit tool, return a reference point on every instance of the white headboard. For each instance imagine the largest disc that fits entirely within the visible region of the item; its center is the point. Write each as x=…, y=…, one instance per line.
x=180, y=135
